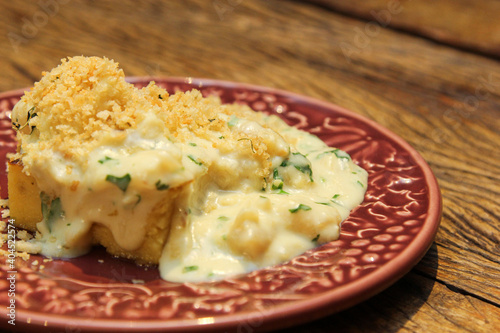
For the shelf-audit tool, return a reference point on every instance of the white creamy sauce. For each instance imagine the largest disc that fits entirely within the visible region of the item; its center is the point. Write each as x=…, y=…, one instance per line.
x=244, y=230
x=225, y=223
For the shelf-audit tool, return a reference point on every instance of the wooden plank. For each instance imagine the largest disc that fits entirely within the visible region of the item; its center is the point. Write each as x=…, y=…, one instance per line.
x=426, y=306
x=445, y=102
x=466, y=24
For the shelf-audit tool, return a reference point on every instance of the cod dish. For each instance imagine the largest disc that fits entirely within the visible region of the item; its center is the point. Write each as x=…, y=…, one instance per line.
x=202, y=189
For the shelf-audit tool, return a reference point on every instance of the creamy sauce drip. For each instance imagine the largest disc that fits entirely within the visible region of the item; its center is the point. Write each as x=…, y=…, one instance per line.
x=243, y=229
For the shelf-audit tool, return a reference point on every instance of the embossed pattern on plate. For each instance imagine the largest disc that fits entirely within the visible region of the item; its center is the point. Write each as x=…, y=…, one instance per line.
x=380, y=241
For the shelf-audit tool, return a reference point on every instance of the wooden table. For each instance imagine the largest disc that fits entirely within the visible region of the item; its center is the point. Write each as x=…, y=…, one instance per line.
x=429, y=71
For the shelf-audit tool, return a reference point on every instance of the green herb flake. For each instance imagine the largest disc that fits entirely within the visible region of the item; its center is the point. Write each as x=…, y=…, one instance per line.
x=139, y=199
x=51, y=210
x=31, y=114
x=277, y=183
x=315, y=239
x=276, y=174
x=159, y=96
x=221, y=137
x=121, y=182
x=305, y=169
x=105, y=159
x=339, y=153
x=161, y=186
x=224, y=237
x=188, y=269
x=300, y=207
x=299, y=162
x=335, y=201
x=193, y=144
x=192, y=158
x=223, y=218
x=251, y=143
x=360, y=183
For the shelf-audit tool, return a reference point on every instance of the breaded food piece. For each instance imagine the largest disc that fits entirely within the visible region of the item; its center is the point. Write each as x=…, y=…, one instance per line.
x=25, y=209
x=85, y=104
x=203, y=189
x=24, y=197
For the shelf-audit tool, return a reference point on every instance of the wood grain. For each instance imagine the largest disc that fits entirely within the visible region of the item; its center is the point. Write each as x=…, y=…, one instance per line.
x=466, y=24
x=389, y=312
x=443, y=100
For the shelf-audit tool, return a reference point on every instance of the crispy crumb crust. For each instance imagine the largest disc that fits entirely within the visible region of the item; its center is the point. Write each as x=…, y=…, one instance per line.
x=74, y=105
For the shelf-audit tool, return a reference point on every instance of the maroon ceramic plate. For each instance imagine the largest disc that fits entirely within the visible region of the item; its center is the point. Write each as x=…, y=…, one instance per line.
x=380, y=241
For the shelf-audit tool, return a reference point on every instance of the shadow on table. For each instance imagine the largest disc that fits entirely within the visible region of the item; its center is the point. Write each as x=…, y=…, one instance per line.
x=388, y=311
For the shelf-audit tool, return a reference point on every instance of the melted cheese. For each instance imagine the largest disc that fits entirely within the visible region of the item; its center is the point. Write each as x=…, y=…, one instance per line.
x=250, y=190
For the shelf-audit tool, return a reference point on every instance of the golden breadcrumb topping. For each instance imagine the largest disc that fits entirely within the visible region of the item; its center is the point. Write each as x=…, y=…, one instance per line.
x=75, y=105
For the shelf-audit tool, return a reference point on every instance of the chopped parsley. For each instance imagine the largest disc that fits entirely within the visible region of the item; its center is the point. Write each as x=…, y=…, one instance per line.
x=121, y=182
x=187, y=269
x=105, y=159
x=315, y=239
x=192, y=144
x=161, y=186
x=31, y=114
x=251, y=143
x=336, y=201
x=51, y=210
x=300, y=162
x=139, y=199
x=277, y=183
x=192, y=158
x=339, y=153
x=300, y=207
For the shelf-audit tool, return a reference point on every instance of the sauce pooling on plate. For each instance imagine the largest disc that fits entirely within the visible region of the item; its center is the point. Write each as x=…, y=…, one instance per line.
x=203, y=189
